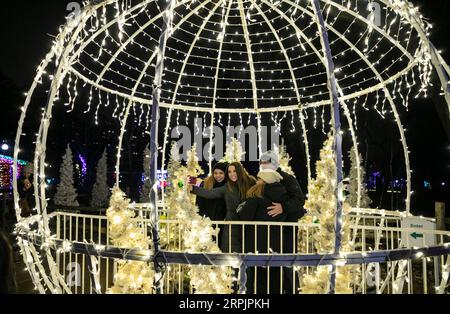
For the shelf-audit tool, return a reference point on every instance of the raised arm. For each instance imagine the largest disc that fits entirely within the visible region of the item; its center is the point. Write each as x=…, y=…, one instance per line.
x=216, y=193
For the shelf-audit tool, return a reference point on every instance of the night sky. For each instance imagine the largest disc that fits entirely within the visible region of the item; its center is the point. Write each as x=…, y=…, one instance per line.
x=28, y=26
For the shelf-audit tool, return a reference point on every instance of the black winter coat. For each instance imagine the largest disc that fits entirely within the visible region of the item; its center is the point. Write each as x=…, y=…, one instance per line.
x=293, y=205
x=28, y=194
x=214, y=209
x=293, y=208
x=232, y=198
x=255, y=209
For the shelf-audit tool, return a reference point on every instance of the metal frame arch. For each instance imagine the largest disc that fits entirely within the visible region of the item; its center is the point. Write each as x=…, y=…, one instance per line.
x=24, y=109
x=39, y=159
x=252, y=70
x=438, y=62
x=24, y=250
x=180, y=75
x=320, y=103
x=337, y=142
x=368, y=22
x=131, y=98
x=294, y=80
x=391, y=102
x=40, y=150
x=343, y=104
x=130, y=39
x=219, y=55
x=56, y=50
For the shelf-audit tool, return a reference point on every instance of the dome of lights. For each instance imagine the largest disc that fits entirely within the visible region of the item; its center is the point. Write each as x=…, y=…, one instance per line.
x=231, y=62
x=245, y=59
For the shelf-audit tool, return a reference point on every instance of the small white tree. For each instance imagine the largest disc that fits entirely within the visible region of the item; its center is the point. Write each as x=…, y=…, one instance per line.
x=100, y=192
x=284, y=159
x=198, y=231
x=145, y=192
x=173, y=167
x=132, y=276
x=233, y=152
x=321, y=204
x=66, y=194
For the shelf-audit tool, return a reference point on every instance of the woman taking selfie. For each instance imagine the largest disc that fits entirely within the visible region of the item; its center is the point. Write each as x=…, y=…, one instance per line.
x=233, y=193
x=214, y=209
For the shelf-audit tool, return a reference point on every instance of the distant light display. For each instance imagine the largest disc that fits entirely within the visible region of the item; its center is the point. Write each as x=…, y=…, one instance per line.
x=83, y=170
x=6, y=171
x=162, y=178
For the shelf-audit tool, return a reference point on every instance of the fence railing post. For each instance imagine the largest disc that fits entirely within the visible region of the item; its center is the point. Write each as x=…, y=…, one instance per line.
x=439, y=209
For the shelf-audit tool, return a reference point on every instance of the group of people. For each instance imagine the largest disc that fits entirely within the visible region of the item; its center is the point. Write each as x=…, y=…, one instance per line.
x=231, y=194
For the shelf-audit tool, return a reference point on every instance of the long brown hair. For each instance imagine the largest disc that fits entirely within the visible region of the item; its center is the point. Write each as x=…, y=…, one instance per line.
x=257, y=190
x=244, y=182
x=208, y=184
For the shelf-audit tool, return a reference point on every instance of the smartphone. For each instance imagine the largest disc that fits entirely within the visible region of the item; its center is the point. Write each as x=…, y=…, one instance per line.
x=192, y=180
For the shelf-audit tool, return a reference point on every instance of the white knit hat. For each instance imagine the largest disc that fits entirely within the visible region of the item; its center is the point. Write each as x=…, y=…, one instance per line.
x=269, y=176
x=270, y=156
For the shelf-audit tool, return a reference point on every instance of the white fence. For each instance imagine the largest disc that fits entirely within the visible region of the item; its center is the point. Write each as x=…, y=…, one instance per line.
x=374, y=232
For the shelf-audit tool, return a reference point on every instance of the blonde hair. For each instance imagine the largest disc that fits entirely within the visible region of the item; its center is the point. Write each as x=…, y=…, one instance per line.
x=256, y=191
x=208, y=184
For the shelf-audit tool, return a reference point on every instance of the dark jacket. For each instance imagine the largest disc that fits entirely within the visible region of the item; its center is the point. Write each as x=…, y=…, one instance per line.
x=28, y=194
x=267, y=239
x=293, y=205
x=231, y=235
x=214, y=209
x=293, y=208
x=21, y=185
x=232, y=198
x=255, y=209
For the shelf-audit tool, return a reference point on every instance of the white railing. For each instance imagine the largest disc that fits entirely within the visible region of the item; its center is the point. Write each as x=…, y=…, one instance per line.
x=373, y=233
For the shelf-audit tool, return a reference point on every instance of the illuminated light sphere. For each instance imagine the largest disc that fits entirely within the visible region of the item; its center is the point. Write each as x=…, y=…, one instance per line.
x=226, y=61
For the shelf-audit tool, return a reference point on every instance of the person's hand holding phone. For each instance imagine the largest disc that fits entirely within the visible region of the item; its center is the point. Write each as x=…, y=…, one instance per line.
x=192, y=180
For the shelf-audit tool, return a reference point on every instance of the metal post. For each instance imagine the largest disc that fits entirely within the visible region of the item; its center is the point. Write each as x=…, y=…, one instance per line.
x=439, y=209
x=337, y=145
x=159, y=68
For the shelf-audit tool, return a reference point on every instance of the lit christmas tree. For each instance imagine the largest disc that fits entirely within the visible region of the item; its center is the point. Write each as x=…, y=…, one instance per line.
x=175, y=174
x=100, y=192
x=194, y=169
x=132, y=277
x=199, y=233
x=284, y=159
x=321, y=205
x=66, y=194
x=173, y=167
x=145, y=192
x=352, y=197
x=233, y=151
